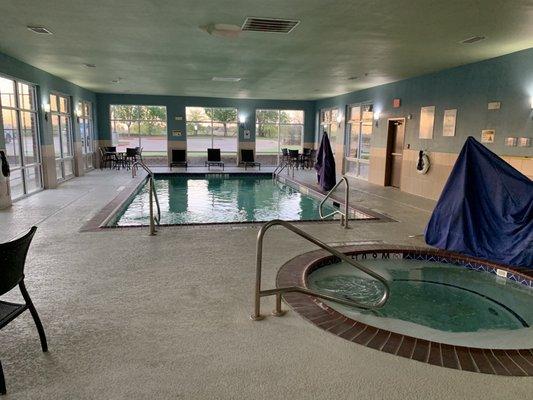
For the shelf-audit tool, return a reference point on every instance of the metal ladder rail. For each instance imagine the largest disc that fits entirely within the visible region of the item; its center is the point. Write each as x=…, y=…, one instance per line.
x=256, y=316
x=344, y=215
x=153, y=195
x=281, y=166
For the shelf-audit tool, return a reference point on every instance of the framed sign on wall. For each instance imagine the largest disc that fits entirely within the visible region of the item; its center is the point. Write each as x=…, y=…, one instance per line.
x=448, y=124
x=487, y=135
x=427, y=121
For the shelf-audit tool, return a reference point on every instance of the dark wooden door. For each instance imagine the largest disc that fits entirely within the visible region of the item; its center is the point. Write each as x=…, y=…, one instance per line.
x=395, y=152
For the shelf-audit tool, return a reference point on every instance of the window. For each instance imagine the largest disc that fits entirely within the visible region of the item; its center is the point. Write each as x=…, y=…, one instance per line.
x=211, y=128
x=359, y=125
x=61, y=119
x=140, y=126
x=85, y=118
x=277, y=129
x=19, y=117
x=329, y=121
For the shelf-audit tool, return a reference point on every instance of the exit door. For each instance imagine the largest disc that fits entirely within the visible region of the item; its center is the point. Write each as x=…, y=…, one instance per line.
x=395, y=138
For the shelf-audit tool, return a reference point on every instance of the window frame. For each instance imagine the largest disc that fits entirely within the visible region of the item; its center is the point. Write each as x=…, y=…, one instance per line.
x=358, y=160
x=279, y=124
x=212, y=123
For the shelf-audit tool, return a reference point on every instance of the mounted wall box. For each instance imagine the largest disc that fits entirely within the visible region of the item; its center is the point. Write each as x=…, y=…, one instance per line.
x=511, y=141
x=494, y=105
x=524, y=142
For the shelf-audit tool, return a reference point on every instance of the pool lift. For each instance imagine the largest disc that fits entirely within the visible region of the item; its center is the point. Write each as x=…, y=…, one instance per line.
x=278, y=312
x=153, y=195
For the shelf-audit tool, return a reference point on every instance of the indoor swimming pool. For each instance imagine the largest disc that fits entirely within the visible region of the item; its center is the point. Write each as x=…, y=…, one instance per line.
x=222, y=198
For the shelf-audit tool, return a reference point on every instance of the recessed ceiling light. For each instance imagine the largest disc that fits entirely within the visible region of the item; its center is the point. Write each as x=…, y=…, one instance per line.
x=89, y=65
x=473, y=39
x=225, y=79
x=40, y=30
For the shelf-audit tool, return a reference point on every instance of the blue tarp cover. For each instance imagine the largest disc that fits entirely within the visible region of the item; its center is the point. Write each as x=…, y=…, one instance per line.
x=485, y=209
x=325, y=164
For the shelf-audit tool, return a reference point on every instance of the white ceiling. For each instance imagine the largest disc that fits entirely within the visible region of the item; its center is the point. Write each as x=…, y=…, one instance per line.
x=157, y=47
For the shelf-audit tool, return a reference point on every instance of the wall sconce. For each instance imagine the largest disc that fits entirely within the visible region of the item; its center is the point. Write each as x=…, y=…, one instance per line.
x=376, y=117
x=339, y=119
x=46, y=109
x=242, y=120
x=77, y=112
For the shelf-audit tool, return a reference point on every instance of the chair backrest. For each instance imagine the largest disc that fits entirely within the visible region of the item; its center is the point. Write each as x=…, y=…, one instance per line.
x=111, y=149
x=131, y=152
x=213, y=155
x=307, y=152
x=178, y=155
x=285, y=152
x=139, y=150
x=247, y=155
x=294, y=153
x=12, y=260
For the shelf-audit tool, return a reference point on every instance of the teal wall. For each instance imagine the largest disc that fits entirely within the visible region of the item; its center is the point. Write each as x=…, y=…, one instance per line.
x=176, y=108
x=508, y=79
x=46, y=83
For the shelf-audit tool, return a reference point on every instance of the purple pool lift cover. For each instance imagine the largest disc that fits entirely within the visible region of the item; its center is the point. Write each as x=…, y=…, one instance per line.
x=325, y=164
x=485, y=209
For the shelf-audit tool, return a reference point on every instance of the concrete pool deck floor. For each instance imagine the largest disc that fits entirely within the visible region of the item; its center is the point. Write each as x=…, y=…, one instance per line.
x=129, y=316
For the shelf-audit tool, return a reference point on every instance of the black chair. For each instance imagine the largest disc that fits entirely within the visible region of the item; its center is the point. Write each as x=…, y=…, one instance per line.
x=12, y=260
x=130, y=157
x=247, y=158
x=285, y=155
x=294, y=158
x=213, y=158
x=306, y=158
x=106, y=158
x=179, y=158
x=140, y=153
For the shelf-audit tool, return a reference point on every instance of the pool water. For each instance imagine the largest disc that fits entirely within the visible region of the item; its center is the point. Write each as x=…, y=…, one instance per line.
x=435, y=301
x=222, y=198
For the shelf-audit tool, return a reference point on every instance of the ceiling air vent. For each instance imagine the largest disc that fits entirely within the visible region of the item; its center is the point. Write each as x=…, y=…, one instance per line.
x=40, y=30
x=274, y=25
x=473, y=39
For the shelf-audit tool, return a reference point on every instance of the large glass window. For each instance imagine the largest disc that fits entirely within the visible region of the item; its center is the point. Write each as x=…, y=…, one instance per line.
x=359, y=125
x=140, y=126
x=211, y=128
x=85, y=118
x=21, y=134
x=329, y=122
x=277, y=129
x=61, y=118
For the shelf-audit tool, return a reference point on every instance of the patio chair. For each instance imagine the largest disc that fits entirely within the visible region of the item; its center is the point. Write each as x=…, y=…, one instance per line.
x=294, y=158
x=213, y=158
x=12, y=260
x=306, y=159
x=247, y=158
x=106, y=158
x=285, y=155
x=179, y=158
x=130, y=157
x=140, y=153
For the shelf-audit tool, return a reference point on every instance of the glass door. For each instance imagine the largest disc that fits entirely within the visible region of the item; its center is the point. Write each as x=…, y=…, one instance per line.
x=62, y=134
x=21, y=134
x=86, y=132
x=357, y=153
x=329, y=121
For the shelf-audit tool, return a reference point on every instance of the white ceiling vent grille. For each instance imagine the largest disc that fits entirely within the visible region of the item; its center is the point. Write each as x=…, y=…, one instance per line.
x=274, y=25
x=473, y=39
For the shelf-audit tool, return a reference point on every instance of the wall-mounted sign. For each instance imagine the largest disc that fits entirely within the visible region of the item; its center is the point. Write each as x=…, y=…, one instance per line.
x=494, y=105
x=487, y=135
x=524, y=142
x=511, y=141
x=448, y=124
x=247, y=134
x=396, y=103
x=176, y=133
x=427, y=120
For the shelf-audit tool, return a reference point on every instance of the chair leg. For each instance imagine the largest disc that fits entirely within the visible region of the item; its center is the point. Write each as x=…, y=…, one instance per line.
x=2, y=381
x=35, y=316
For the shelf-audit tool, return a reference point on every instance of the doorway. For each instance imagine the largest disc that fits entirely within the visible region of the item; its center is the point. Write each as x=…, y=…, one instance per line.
x=395, y=139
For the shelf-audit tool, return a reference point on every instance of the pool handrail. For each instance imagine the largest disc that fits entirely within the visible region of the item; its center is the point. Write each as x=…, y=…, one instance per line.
x=258, y=293
x=344, y=215
x=153, y=195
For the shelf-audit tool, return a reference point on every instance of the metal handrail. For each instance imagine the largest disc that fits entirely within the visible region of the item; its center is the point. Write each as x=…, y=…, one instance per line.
x=256, y=316
x=153, y=195
x=344, y=215
x=280, y=167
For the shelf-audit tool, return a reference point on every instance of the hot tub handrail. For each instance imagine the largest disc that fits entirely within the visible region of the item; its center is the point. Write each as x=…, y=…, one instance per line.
x=344, y=215
x=153, y=194
x=279, y=291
